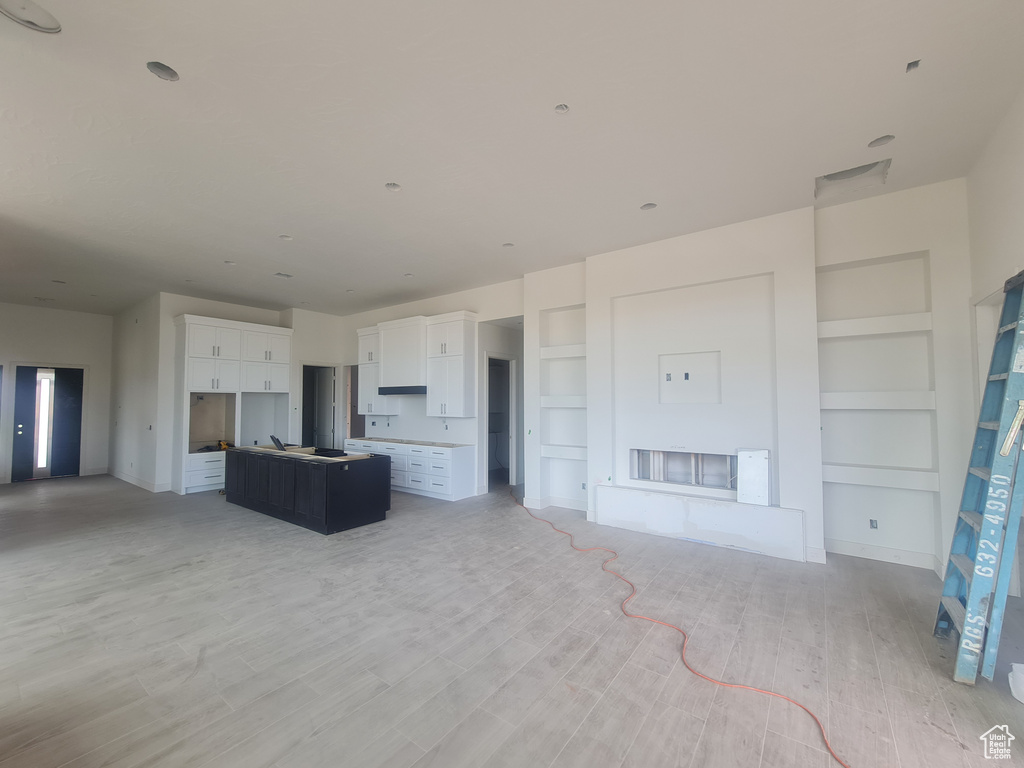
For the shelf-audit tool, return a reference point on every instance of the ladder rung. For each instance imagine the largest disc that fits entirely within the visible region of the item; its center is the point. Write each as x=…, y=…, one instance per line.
x=964, y=564
x=993, y=425
x=1009, y=327
x=973, y=519
x=955, y=610
x=983, y=472
x=998, y=376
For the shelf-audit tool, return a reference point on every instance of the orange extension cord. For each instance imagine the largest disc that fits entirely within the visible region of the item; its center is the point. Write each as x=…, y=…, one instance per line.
x=682, y=653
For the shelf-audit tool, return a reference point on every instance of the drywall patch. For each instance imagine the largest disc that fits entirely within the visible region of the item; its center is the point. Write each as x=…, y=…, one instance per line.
x=690, y=377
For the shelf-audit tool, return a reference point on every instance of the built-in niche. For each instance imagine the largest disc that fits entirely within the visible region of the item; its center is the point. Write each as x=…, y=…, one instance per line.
x=211, y=418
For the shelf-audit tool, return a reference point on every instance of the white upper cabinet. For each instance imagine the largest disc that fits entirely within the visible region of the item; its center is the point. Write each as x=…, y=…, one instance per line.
x=372, y=403
x=403, y=352
x=268, y=347
x=369, y=345
x=449, y=391
x=214, y=341
x=211, y=375
x=264, y=377
x=452, y=337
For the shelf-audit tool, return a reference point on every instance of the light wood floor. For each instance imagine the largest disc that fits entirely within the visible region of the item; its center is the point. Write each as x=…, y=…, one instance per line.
x=155, y=630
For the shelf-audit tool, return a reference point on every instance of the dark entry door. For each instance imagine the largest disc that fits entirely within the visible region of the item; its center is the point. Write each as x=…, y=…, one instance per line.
x=59, y=428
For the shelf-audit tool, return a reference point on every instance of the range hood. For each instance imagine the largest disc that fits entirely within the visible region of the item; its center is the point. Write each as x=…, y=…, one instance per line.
x=412, y=389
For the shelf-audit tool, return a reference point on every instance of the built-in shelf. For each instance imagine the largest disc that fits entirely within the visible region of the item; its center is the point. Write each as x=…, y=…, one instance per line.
x=875, y=326
x=908, y=479
x=575, y=452
x=563, y=350
x=878, y=401
x=563, y=401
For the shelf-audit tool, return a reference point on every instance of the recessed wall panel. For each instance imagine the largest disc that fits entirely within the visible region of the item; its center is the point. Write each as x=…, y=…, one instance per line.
x=903, y=439
x=896, y=363
x=905, y=518
x=878, y=288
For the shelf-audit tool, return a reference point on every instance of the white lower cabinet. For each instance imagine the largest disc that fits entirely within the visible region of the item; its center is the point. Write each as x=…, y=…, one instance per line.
x=440, y=471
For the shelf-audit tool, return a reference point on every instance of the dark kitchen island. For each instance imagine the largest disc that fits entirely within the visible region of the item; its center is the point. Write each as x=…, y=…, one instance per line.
x=323, y=493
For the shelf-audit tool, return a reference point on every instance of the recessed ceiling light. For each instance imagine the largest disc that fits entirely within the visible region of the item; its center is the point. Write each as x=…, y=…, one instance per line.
x=561, y=108
x=30, y=15
x=648, y=206
x=912, y=65
x=281, y=274
x=42, y=298
x=189, y=281
x=286, y=237
x=350, y=290
x=162, y=70
x=303, y=302
x=59, y=282
x=409, y=274
x=508, y=245
x=881, y=141
x=230, y=263
x=392, y=186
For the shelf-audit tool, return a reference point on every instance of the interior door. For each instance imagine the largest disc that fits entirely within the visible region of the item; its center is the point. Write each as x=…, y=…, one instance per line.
x=325, y=403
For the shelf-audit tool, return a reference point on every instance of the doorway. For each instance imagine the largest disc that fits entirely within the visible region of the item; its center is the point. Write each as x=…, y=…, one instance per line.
x=47, y=422
x=319, y=406
x=500, y=417
x=356, y=421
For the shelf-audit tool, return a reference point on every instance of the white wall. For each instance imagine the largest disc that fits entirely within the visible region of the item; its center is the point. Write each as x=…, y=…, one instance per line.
x=995, y=196
x=904, y=253
x=136, y=364
x=55, y=337
x=782, y=249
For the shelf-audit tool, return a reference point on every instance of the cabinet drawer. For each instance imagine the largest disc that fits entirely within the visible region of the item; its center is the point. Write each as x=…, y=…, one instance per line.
x=417, y=480
x=210, y=476
x=401, y=463
x=418, y=450
x=418, y=464
x=442, y=467
x=399, y=479
x=436, y=484
x=198, y=461
x=439, y=453
x=392, y=448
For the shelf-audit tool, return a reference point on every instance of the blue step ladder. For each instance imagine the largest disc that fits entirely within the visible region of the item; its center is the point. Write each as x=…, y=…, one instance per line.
x=985, y=539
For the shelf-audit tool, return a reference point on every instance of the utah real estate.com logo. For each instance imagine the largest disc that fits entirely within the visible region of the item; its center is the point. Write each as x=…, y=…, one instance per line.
x=997, y=742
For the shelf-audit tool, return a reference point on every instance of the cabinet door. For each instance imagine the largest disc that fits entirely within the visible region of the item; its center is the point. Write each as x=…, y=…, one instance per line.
x=228, y=375
x=277, y=375
x=455, y=335
x=202, y=340
x=202, y=374
x=437, y=385
x=254, y=345
x=279, y=348
x=437, y=334
x=254, y=377
x=369, y=377
x=369, y=344
x=229, y=343
x=455, y=404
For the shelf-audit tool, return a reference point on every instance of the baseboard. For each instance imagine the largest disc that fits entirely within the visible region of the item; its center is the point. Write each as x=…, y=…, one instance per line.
x=885, y=554
x=138, y=481
x=97, y=471
x=536, y=503
x=814, y=555
x=567, y=503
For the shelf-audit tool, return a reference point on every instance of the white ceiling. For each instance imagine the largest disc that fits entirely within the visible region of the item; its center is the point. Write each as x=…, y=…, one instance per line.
x=289, y=118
